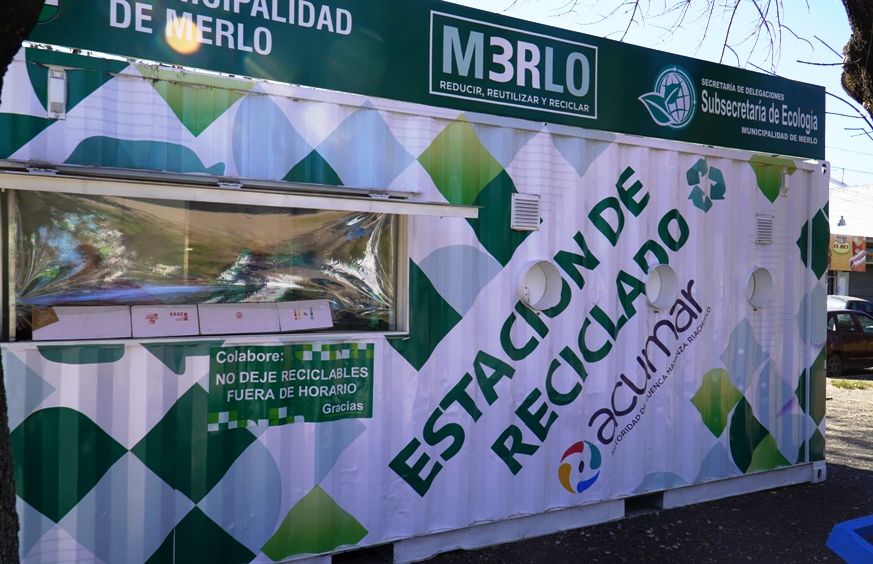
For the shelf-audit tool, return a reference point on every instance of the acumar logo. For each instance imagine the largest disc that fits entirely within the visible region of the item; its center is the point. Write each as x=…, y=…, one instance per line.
x=580, y=467
x=674, y=100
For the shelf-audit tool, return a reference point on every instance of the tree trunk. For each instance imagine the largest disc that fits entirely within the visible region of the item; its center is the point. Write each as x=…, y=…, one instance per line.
x=17, y=19
x=857, y=60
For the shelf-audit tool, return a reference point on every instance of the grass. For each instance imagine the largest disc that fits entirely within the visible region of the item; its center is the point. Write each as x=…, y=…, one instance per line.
x=852, y=384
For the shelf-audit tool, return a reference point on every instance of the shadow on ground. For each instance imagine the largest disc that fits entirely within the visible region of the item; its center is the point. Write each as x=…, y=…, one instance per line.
x=789, y=524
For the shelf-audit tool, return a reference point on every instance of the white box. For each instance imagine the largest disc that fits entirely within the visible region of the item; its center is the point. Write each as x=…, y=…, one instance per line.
x=164, y=320
x=81, y=322
x=304, y=314
x=221, y=319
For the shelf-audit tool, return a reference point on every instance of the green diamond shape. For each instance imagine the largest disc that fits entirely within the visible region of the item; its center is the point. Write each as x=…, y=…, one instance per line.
x=60, y=455
x=819, y=230
x=766, y=456
x=195, y=106
x=817, y=388
x=816, y=448
x=18, y=130
x=197, y=538
x=746, y=433
x=459, y=164
x=164, y=553
x=316, y=524
x=430, y=319
x=801, y=244
x=184, y=454
x=314, y=170
x=715, y=399
x=492, y=225
x=768, y=172
x=820, y=234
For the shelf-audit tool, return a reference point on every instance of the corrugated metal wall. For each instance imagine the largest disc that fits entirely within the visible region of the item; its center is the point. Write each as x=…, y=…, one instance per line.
x=485, y=410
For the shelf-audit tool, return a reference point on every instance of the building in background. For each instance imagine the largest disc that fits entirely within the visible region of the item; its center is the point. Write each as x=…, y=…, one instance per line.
x=850, y=267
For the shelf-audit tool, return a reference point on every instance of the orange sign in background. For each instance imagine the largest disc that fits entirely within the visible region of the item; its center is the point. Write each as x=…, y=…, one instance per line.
x=848, y=252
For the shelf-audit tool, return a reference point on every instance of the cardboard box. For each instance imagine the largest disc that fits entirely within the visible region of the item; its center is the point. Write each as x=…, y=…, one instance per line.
x=304, y=314
x=229, y=319
x=81, y=322
x=164, y=320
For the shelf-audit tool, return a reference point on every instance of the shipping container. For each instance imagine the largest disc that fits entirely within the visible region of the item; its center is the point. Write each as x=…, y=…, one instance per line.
x=271, y=318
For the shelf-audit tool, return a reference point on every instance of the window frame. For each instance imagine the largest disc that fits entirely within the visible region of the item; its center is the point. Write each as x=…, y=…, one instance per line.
x=865, y=322
x=12, y=182
x=840, y=318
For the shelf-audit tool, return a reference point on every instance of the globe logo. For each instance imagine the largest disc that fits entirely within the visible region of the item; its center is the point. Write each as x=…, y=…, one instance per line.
x=674, y=100
x=49, y=11
x=580, y=467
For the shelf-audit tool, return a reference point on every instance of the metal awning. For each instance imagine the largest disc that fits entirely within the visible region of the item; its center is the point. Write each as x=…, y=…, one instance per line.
x=278, y=195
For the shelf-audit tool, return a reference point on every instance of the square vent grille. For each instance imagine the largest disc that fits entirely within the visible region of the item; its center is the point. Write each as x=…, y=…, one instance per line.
x=763, y=229
x=525, y=212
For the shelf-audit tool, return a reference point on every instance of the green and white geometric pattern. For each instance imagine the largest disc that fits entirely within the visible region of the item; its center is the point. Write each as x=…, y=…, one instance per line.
x=118, y=458
x=178, y=489
x=318, y=353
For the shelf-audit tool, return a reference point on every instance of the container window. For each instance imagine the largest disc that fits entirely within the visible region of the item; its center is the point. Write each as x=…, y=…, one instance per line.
x=78, y=250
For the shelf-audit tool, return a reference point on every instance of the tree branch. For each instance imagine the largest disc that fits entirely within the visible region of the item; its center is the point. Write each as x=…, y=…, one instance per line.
x=728, y=32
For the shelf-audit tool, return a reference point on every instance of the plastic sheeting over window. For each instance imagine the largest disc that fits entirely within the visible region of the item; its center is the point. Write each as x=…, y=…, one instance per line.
x=90, y=250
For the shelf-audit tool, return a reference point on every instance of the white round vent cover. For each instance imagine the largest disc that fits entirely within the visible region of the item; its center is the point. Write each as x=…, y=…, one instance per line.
x=539, y=286
x=662, y=287
x=759, y=287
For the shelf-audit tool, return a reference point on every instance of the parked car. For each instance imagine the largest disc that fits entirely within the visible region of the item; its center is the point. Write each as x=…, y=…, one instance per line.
x=848, y=302
x=850, y=340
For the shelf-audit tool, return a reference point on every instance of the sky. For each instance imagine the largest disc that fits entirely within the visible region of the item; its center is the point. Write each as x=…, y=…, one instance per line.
x=813, y=30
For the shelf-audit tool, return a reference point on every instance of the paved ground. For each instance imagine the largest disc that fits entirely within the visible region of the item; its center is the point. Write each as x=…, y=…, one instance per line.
x=789, y=525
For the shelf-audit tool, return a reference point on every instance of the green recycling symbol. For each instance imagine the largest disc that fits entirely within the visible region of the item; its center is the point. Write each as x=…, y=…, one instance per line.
x=708, y=184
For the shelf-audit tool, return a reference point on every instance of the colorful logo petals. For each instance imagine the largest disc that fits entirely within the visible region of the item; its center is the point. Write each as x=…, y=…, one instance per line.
x=580, y=464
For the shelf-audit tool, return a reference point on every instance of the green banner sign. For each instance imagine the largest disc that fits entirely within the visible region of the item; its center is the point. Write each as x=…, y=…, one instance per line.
x=442, y=54
x=275, y=385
